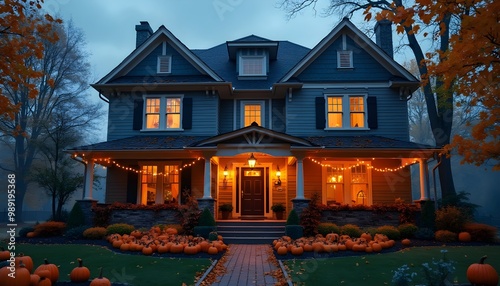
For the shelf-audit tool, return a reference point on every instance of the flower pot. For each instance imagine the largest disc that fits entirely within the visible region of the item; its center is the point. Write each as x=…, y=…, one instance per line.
x=279, y=215
x=225, y=214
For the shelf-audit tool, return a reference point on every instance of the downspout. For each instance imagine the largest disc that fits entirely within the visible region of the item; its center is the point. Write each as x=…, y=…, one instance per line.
x=434, y=181
x=103, y=98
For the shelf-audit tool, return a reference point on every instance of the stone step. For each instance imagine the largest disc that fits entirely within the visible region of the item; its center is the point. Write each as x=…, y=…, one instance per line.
x=250, y=232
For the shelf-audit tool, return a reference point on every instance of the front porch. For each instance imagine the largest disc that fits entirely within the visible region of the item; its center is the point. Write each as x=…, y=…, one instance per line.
x=253, y=168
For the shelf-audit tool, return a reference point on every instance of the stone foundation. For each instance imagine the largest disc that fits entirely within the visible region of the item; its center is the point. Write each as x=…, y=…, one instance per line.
x=361, y=218
x=145, y=218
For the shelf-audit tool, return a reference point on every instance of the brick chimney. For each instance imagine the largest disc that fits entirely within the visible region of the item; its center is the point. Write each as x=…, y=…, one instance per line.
x=383, y=36
x=143, y=32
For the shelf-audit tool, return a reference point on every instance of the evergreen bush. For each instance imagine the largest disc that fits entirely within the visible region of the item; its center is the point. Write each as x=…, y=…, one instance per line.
x=293, y=218
x=76, y=217
x=325, y=228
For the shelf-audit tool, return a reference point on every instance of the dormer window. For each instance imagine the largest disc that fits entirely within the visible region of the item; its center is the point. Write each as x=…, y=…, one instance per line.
x=164, y=64
x=252, y=66
x=344, y=59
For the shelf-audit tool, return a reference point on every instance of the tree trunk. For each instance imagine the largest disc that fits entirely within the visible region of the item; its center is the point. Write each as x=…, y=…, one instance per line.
x=446, y=178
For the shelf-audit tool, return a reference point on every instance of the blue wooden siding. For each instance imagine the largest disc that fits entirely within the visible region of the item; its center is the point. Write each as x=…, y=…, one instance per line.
x=148, y=66
x=121, y=115
x=392, y=113
x=324, y=68
x=226, y=115
x=278, y=113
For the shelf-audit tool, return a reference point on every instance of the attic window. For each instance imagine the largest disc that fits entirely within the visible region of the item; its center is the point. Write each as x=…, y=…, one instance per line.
x=344, y=59
x=252, y=66
x=164, y=64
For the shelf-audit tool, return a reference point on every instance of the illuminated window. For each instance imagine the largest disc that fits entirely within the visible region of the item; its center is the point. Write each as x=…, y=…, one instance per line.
x=359, y=184
x=357, y=109
x=335, y=112
x=346, y=182
x=159, y=184
x=335, y=184
x=163, y=113
x=252, y=112
x=354, y=118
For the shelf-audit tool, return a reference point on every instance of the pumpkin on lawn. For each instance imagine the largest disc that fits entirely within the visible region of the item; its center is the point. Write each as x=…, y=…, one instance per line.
x=80, y=273
x=28, y=262
x=4, y=254
x=100, y=281
x=406, y=242
x=51, y=268
x=23, y=277
x=482, y=273
x=464, y=236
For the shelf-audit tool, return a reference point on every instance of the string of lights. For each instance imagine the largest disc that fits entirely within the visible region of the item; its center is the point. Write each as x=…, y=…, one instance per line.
x=368, y=165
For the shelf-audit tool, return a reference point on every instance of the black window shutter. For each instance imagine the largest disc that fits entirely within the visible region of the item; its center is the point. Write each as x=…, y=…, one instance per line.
x=372, y=112
x=187, y=113
x=138, y=114
x=320, y=113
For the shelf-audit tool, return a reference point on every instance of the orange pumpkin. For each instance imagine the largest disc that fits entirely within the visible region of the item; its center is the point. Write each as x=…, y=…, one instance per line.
x=191, y=249
x=163, y=248
x=31, y=234
x=23, y=277
x=34, y=279
x=376, y=247
x=297, y=250
x=406, y=242
x=177, y=248
x=147, y=250
x=366, y=236
x=100, y=281
x=213, y=250
x=464, y=236
x=482, y=274
x=80, y=273
x=282, y=250
x=4, y=254
x=27, y=261
x=342, y=247
x=307, y=247
x=44, y=281
x=52, y=268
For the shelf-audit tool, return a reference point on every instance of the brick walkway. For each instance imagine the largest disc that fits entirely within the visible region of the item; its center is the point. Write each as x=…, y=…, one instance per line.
x=247, y=264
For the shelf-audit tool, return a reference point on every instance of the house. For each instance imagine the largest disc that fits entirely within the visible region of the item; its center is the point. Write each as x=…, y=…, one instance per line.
x=253, y=122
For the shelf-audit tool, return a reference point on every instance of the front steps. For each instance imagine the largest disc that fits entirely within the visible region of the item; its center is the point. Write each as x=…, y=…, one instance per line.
x=250, y=231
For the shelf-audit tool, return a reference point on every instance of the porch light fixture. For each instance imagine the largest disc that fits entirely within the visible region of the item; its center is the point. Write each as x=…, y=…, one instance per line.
x=278, y=174
x=225, y=173
x=252, y=161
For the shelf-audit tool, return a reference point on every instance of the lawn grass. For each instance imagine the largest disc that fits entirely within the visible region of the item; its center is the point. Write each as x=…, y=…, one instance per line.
x=135, y=270
x=376, y=269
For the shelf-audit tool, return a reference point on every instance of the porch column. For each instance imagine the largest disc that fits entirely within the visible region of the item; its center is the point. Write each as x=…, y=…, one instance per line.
x=424, y=179
x=207, y=182
x=89, y=180
x=300, y=178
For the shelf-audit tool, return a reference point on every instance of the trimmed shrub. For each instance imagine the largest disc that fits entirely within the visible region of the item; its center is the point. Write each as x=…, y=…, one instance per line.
x=119, y=228
x=293, y=218
x=206, y=218
x=311, y=216
x=76, y=216
x=450, y=218
x=325, y=228
x=95, y=233
x=481, y=232
x=351, y=230
x=390, y=231
x=424, y=233
x=24, y=231
x=427, y=216
x=294, y=231
x=407, y=230
x=371, y=230
x=445, y=236
x=50, y=228
x=76, y=232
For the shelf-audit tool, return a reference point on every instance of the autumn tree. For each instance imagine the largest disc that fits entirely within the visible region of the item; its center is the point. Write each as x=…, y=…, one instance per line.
x=65, y=75
x=407, y=17
x=22, y=32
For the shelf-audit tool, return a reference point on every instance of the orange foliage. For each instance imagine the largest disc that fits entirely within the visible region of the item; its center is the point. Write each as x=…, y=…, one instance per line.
x=21, y=34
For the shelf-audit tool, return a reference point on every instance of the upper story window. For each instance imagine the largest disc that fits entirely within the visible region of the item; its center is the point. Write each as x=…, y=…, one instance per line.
x=164, y=64
x=252, y=66
x=252, y=112
x=346, y=111
x=163, y=113
x=344, y=59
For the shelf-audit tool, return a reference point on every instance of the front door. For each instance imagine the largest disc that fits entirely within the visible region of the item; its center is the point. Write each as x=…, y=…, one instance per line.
x=252, y=192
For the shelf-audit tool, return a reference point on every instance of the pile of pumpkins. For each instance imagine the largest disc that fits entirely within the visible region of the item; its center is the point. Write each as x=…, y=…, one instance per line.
x=332, y=242
x=164, y=241
x=46, y=274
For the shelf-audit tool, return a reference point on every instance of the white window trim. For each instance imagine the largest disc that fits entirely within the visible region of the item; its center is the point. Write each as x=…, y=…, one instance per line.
x=346, y=111
x=252, y=102
x=347, y=183
x=263, y=58
x=163, y=112
x=169, y=64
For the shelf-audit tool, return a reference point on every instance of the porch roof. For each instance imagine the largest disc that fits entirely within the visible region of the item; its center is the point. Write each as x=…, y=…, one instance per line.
x=319, y=145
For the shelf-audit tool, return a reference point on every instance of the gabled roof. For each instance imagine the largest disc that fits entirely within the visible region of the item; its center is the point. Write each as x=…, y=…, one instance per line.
x=252, y=41
x=162, y=34
x=253, y=135
x=346, y=26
